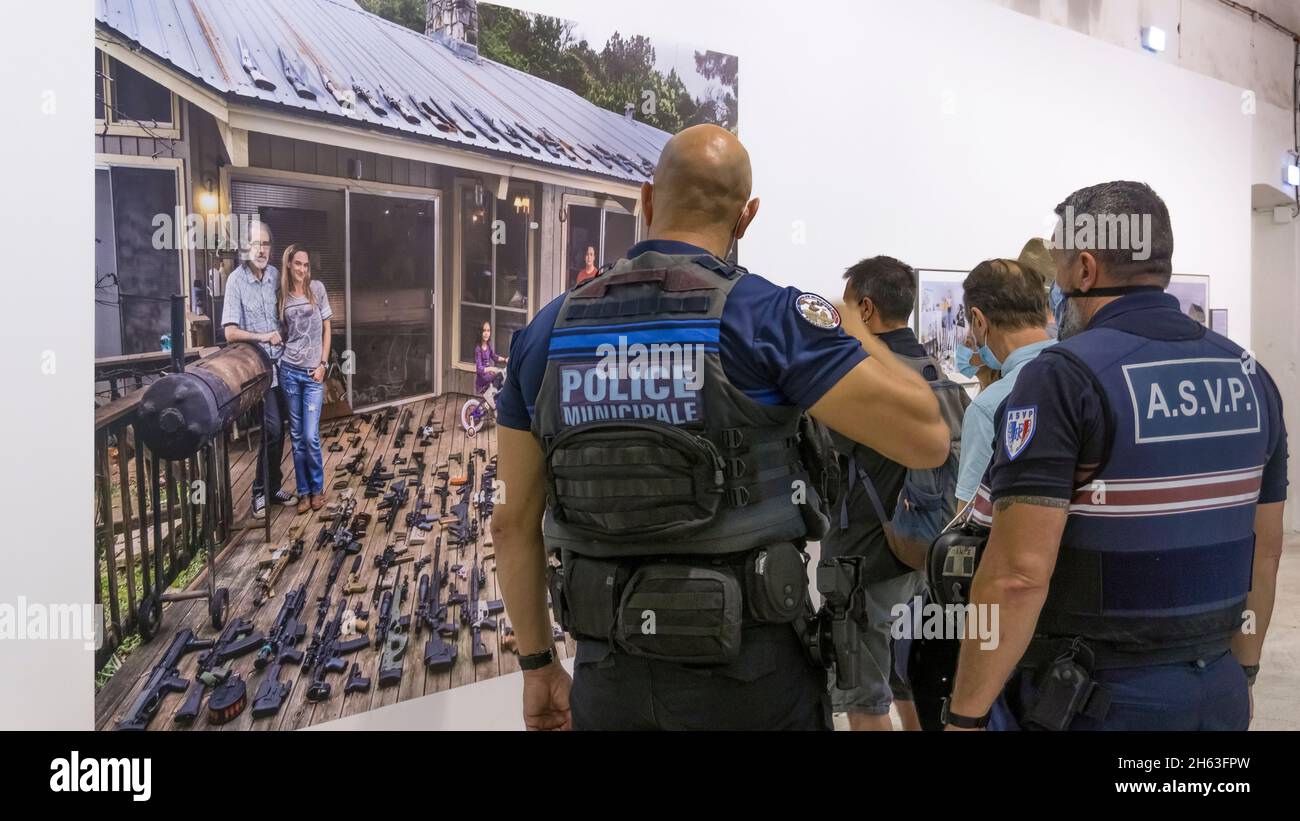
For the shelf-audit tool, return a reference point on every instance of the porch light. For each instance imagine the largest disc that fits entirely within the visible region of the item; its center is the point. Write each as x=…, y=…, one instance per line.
x=208, y=197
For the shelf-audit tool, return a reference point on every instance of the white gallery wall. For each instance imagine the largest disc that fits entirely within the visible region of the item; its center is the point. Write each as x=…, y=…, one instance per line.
x=945, y=131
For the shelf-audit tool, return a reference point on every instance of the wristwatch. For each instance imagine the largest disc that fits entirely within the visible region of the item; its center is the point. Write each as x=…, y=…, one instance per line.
x=946, y=716
x=1251, y=670
x=536, y=661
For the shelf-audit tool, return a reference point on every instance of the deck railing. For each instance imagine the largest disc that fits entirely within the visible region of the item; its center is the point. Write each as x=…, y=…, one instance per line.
x=147, y=516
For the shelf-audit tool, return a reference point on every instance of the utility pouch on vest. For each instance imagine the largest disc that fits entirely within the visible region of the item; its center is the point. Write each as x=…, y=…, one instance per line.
x=1064, y=690
x=555, y=576
x=585, y=595
x=630, y=481
x=776, y=581
x=681, y=613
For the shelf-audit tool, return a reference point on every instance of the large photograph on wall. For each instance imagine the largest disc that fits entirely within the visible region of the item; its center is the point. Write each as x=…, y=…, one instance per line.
x=941, y=321
x=455, y=166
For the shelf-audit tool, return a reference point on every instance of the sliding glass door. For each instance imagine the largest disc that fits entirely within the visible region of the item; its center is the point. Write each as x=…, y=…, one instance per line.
x=393, y=252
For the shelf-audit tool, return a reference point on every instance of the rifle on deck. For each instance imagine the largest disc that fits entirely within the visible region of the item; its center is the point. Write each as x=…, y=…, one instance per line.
x=377, y=478
x=417, y=518
x=403, y=429
x=394, y=501
x=163, y=679
x=325, y=655
x=237, y=639
x=279, y=648
x=476, y=613
x=465, y=529
x=391, y=633
x=438, y=654
x=335, y=530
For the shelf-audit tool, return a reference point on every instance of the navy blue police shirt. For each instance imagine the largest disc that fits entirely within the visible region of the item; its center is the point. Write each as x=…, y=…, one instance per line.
x=768, y=350
x=1070, y=431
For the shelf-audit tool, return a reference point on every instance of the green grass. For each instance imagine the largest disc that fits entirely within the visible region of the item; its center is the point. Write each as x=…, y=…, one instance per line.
x=132, y=640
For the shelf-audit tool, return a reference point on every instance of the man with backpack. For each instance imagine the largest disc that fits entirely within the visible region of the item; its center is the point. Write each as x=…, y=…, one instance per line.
x=884, y=507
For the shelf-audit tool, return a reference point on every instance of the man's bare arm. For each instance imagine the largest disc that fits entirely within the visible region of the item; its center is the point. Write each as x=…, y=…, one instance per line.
x=234, y=333
x=1013, y=577
x=897, y=417
x=1247, y=647
x=517, y=536
x=885, y=405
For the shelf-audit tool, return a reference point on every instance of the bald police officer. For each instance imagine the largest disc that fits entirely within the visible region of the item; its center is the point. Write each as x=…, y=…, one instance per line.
x=652, y=418
x=1135, y=498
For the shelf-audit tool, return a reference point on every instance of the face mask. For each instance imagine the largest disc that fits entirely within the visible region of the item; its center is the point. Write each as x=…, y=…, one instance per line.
x=986, y=353
x=987, y=356
x=1060, y=299
x=964, y=366
x=1057, y=297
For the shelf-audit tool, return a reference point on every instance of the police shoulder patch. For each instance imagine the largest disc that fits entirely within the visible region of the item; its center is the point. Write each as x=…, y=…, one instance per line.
x=816, y=311
x=1020, y=426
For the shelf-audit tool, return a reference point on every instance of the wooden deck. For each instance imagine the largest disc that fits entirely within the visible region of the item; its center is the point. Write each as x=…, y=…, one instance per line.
x=239, y=568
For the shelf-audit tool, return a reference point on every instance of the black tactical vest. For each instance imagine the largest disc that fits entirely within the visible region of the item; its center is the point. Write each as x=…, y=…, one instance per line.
x=649, y=450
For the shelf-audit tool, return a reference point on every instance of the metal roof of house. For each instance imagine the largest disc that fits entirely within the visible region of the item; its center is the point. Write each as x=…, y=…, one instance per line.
x=326, y=58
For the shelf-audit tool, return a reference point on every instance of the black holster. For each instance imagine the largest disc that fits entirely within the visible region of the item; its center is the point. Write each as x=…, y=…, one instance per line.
x=1065, y=689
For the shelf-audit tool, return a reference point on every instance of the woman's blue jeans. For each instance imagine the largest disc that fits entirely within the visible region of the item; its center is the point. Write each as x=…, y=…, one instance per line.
x=305, y=397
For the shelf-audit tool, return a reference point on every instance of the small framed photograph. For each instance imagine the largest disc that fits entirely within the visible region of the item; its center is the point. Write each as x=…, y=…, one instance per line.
x=941, y=322
x=1193, y=292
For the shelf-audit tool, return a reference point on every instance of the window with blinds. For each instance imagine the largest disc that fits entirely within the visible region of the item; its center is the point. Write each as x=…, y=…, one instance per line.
x=308, y=216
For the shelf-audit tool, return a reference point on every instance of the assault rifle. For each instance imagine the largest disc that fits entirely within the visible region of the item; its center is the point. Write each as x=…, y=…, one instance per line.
x=476, y=613
x=431, y=613
x=287, y=630
x=163, y=679
x=325, y=655
x=237, y=639
x=391, y=633
x=417, y=518
x=270, y=569
x=403, y=430
x=377, y=478
x=335, y=530
x=428, y=432
x=394, y=501
x=279, y=649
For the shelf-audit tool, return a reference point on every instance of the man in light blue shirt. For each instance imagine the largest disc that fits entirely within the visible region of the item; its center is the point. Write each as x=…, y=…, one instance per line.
x=251, y=314
x=1007, y=304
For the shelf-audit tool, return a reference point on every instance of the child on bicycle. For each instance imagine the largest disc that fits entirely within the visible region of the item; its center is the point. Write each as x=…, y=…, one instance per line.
x=486, y=361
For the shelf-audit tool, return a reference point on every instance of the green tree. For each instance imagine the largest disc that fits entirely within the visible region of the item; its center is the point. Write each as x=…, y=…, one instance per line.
x=623, y=72
x=409, y=13
x=714, y=65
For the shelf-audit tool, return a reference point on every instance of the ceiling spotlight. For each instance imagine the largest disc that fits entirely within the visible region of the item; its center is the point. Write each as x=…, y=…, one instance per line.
x=1153, y=39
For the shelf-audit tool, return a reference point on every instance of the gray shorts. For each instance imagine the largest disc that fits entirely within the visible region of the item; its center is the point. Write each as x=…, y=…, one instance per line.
x=878, y=684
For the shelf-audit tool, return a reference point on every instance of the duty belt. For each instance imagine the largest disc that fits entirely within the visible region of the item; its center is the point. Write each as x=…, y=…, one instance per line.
x=1110, y=657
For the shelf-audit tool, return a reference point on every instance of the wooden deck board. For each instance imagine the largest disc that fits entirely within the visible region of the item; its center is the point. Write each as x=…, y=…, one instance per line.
x=240, y=568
